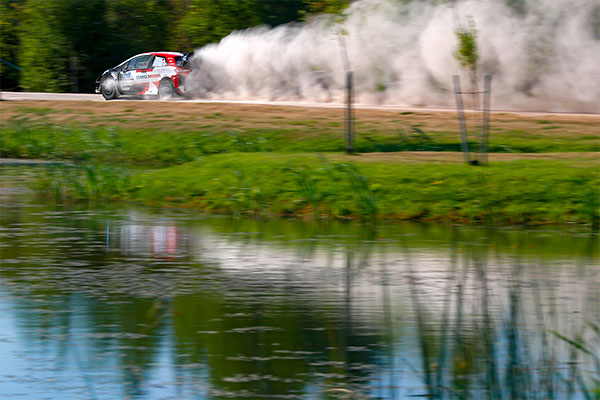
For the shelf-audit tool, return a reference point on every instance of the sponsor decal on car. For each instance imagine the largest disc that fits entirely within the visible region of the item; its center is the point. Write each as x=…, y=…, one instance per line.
x=147, y=76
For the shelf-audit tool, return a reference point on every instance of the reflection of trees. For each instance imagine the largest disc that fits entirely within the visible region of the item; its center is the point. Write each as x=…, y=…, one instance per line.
x=255, y=349
x=250, y=344
x=65, y=323
x=139, y=329
x=272, y=346
x=239, y=332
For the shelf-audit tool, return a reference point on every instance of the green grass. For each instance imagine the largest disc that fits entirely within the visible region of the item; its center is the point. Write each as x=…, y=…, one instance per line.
x=245, y=161
x=518, y=192
x=26, y=139
x=39, y=111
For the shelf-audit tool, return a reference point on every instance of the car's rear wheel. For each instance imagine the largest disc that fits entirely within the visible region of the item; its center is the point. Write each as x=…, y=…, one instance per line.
x=109, y=89
x=166, y=89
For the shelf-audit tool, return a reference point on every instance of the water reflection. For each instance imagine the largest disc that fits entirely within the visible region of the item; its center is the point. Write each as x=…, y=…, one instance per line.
x=101, y=304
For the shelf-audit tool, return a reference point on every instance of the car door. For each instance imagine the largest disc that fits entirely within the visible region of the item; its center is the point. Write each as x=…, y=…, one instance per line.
x=134, y=78
x=160, y=68
x=125, y=77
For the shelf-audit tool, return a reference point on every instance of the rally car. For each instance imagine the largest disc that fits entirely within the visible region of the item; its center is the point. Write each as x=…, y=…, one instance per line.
x=161, y=74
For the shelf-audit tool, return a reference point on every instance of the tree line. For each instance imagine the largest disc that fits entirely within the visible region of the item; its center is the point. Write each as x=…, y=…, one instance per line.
x=63, y=45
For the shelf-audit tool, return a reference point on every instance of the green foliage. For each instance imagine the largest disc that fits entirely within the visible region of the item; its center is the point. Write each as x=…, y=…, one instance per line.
x=276, y=12
x=137, y=26
x=88, y=182
x=60, y=42
x=519, y=192
x=207, y=21
x=467, y=52
x=262, y=175
x=10, y=11
x=44, y=53
x=325, y=6
x=26, y=139
x=515, y=192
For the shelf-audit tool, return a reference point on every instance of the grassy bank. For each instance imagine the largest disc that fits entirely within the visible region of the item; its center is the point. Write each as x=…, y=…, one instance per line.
x=514, y=192
x=257, y=159
x=175, y=133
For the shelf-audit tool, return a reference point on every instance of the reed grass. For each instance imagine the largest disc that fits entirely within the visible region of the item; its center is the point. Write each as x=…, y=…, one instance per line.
x=304, y=185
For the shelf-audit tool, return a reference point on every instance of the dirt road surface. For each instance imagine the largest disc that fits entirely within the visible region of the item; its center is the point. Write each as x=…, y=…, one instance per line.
x=39, y=96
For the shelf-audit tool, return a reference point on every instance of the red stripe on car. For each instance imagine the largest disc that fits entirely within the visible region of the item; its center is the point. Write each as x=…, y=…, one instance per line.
x=145, y=89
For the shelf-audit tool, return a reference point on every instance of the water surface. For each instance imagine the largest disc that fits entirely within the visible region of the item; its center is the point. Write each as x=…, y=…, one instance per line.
x=107, y=303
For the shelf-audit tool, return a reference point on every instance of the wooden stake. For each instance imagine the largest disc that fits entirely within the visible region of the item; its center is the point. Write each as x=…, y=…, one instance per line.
x=487, y=93
x=349, y=117
x=464, y=141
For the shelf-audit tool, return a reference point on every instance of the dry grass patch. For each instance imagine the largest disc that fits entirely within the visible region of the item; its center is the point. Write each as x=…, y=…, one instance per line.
x=139, y=113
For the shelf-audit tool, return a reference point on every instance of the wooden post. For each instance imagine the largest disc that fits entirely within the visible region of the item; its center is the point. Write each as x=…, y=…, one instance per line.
x=487, y=93
x=349, y=117
x=464, y=141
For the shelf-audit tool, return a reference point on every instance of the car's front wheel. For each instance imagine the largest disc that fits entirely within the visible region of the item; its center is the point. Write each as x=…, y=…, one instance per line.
x=109, y=89
x=166, y=89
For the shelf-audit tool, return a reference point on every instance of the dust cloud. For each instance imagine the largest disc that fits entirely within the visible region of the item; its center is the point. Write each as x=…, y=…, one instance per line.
x=543, y=55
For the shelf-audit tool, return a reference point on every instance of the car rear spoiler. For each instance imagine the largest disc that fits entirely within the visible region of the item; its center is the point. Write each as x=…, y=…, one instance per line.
x=185, y=59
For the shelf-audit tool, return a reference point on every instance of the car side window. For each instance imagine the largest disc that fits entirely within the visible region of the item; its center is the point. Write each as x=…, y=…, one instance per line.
x=159, y=62
x=140, y=62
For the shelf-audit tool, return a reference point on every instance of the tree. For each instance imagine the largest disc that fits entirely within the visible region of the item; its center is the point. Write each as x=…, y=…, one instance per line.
x=325, y=6
x=60, y=43
x=467, y=53
x=44, y=55
x=138, y=26
x=10, y=11
x=277, y=12
x=84, y=26
x=208, y=21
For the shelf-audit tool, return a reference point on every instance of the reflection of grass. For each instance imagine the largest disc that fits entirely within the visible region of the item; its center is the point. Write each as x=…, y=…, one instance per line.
x=589, y=383
x=480, y=357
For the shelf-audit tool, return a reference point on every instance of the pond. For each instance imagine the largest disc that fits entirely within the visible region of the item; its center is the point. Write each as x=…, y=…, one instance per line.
x=99, y=302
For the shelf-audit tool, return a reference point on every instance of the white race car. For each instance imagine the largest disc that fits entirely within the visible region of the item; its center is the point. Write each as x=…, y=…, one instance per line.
x=161, y=74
